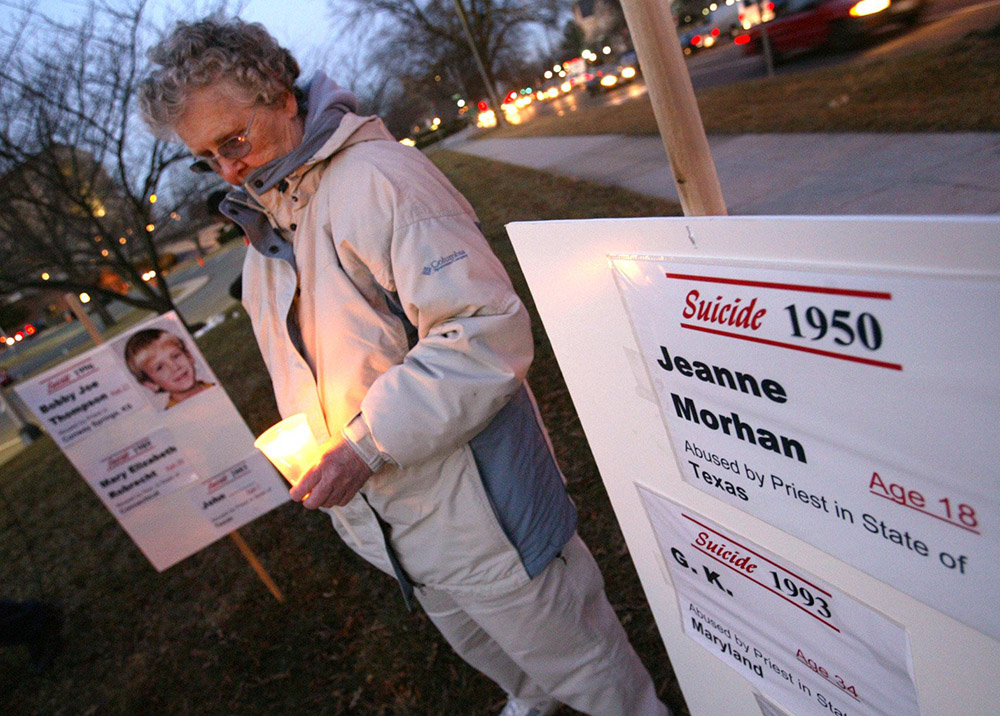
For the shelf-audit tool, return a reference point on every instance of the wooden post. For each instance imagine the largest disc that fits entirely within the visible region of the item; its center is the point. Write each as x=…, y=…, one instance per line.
x=77, y=307
x=81, y=313
x=257, y=566
x=669, y=84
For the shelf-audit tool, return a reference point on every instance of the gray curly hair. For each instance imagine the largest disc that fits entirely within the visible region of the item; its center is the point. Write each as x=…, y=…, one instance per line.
x=198, y=54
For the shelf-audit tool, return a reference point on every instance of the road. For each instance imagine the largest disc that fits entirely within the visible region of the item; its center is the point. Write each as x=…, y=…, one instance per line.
x=944, y=21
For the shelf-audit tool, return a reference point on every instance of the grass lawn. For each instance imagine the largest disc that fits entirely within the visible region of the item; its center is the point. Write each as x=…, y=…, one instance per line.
x=206, y=637
x=952, y=88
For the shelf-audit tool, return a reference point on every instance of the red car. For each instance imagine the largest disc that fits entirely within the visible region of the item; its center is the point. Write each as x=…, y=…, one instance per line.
x=801, y=25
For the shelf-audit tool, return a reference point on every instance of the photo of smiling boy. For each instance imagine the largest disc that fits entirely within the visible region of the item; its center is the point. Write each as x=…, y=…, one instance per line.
x=161, y=362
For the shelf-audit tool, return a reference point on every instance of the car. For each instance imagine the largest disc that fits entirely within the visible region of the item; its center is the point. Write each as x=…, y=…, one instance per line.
x=628, y=65
x=699, y=37
x=611, y=75
x=802, y=25
x=602, y=78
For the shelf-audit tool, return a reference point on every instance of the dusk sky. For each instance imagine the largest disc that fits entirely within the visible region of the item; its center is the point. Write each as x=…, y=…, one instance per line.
x=300, y=25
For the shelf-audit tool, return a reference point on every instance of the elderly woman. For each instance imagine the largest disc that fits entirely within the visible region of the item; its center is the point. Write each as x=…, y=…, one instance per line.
x=383, y=315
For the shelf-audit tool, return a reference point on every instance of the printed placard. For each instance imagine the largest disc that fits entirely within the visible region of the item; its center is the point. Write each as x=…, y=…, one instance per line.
x=852, y=410
x=144, y=421
x=811, y=648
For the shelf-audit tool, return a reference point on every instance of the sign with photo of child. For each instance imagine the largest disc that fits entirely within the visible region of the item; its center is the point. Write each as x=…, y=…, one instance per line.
x=146, y=423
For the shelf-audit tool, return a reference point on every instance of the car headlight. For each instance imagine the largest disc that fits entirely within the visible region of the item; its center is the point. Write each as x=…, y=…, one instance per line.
x=868, y=7
x=609, y=81
x=628, y=73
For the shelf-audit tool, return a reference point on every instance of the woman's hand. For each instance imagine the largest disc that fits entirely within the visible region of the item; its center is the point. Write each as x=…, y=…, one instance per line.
x=334, y=479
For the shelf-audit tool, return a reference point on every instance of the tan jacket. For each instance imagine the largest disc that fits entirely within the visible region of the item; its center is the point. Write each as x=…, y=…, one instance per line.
x=412, y=334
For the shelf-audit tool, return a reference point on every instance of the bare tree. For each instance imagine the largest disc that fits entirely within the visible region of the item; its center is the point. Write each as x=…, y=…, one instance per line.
x=421, y=43
x=78, y=172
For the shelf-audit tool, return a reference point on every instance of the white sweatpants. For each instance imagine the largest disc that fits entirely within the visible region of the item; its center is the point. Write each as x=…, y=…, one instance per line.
x=556, y=637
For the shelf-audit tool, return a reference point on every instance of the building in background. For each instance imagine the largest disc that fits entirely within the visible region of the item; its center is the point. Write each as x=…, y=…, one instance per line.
x=602, y=23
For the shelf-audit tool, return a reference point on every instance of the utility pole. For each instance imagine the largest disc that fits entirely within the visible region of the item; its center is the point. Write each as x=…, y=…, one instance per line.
x=765, y=40
x=490, y=89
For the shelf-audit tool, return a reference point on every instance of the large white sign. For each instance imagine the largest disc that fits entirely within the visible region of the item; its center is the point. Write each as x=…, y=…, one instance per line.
x=857, y=411
x=794, y=637
x=145, y=422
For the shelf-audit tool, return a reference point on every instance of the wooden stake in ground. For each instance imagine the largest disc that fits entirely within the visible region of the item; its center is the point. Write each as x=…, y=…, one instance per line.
x=669, y=84
x=77, y=307
x=245, y=550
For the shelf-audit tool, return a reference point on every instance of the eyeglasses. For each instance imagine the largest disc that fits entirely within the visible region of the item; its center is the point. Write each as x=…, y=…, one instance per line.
x=233, y=148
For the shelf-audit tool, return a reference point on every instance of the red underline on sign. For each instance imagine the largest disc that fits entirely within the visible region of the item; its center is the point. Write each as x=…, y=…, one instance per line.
x=757, y=554
x=133, y=456
x=929, y=514
x=71, y=381
x=784, y=286
x=761, y=584
x=792, y=346
x=832, y=682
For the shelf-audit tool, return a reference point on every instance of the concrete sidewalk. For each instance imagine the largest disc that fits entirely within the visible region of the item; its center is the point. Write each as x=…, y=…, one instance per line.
x=787, y=174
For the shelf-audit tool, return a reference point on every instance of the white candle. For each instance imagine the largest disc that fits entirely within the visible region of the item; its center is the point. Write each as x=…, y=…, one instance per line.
x=290, y=446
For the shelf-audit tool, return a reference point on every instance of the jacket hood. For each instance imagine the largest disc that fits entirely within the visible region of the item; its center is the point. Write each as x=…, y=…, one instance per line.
x=326, y=104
